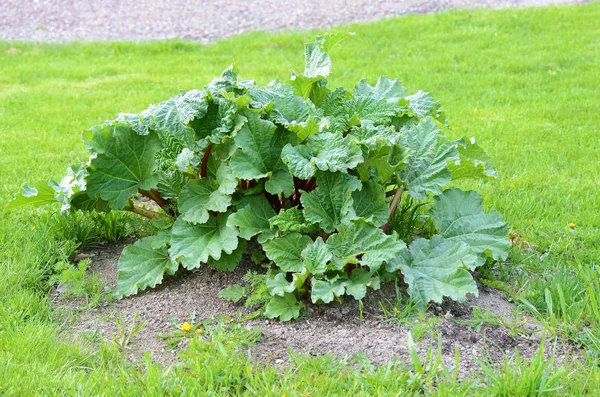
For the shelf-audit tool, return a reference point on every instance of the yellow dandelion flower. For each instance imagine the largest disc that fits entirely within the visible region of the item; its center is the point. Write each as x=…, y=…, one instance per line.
x=199, y=331
x=187, y=327
x=572, y=225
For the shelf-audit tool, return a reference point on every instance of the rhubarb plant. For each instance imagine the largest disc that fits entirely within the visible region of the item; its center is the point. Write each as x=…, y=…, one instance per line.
x=311, y=175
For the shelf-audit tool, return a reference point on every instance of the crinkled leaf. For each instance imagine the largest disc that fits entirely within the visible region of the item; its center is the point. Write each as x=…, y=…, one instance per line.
x=474, y=161
x=377, y=111
x=436, y=268
x=304, y=129
x=138, y=122
x=142, y=265
x=193, y=244
x=325, y=290
x=374, y=136
x=459, y=216
x=273, y=92
x=360, y=279
x=233, y=293
x=279, y=285
x=422, y=104
x=330, y=203
x=385, y=89
x=316, y=257
x=361, y=242
x=383, y=162
x=259, y=151
x=174, y=115
x=292, y=220
x=253, y=218
x=225, y=83
x=286, y=251
x=426, y=170
x=369, y=203
x=285, y=307
x=294, y=109
x=229, y=262
x=326, y=152
x=125, y=164
x=200, y=196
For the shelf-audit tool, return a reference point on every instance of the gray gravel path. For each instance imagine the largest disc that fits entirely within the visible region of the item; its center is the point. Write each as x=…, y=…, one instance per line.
x=205, y=20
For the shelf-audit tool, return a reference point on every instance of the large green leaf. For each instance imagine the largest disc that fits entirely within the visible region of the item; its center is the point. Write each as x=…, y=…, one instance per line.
x=422, y=104
x=193, y=244
x=253, y=218
x=200, y=196
x=474, y=161
x=259, y=152
x=361, y=242
x=286, y=251
x=325, y=152
x=142, y=265
x=369, y=203
x=285, y=307
x=359, y=280
x=174, y=115
x=292, y=220
x=330, y=203
x=317, y=62
x=459, y=216
x=280, y=182
x=436, y=268
x=383, y=162
x=228, y=262
x=426, y=170
x=366, y=108
x=385, y=89
x=278, y=285
x=316, y=257
x=125, y=163
x=325, y=290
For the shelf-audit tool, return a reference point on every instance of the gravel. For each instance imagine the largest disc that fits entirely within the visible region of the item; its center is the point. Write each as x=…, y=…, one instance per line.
x=205, y=20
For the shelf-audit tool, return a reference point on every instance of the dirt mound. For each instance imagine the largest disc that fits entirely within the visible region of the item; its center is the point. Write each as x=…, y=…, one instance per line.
x=340, y=329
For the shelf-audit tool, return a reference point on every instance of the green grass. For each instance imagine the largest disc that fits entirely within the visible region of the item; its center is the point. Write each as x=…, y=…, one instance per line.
x=523, y=82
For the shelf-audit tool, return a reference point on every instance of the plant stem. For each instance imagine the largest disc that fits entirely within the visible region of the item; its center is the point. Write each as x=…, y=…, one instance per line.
x=393, y=206
x=203, y=169
x=154, y=195
x=274, y=201
x=142, y=211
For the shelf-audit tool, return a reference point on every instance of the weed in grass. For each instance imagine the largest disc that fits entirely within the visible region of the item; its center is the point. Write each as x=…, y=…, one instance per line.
x=125, y=333
x=518, y=377
x=78, y=282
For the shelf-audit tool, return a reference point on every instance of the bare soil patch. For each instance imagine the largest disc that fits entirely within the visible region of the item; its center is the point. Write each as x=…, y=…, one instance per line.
x=339, y=329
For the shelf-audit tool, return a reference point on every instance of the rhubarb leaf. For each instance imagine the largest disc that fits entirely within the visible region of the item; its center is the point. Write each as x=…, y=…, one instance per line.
x=125, y=163
x=436, y=268
x=459, y=216
x=193, y=244
x=426, y=170
x=330, y=203
x=142, y=265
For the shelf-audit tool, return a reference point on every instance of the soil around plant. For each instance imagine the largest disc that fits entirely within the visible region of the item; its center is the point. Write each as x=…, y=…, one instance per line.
x=340, y=329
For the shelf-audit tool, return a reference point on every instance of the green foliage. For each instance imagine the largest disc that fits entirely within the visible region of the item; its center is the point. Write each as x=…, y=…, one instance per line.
x=314, y=175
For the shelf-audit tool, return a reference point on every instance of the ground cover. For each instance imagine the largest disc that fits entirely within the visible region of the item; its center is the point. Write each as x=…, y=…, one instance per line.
x=522, y=82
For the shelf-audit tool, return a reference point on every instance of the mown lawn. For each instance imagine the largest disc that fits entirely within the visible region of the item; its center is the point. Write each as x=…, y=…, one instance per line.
x=523, y=82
